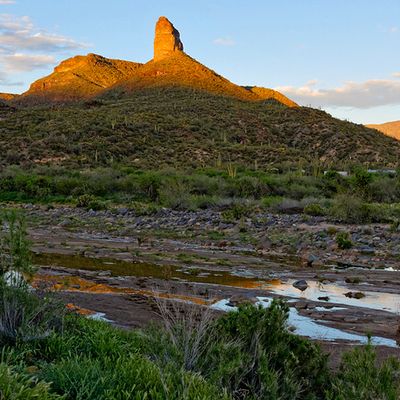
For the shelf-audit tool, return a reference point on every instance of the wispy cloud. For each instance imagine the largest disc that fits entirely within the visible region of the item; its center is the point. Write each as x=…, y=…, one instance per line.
x=25, y=47
x=396, y=74
x=19, y=33
x=224, y=41
x=363, y=95
x=3, y=2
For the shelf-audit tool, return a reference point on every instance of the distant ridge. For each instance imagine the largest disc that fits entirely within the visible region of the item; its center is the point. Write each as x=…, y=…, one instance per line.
x=87, y=77
x=389, y=128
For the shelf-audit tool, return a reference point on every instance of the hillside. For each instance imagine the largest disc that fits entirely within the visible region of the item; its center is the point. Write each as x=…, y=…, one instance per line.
x=183, y=127
x=78, y=78
x=389, y=128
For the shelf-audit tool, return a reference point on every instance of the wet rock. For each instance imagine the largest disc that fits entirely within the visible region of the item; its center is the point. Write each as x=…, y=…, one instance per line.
x=367, y=250
x=323, y=298
x=311, y=260
x=239, y=299
x=301, y=285
x=355, y=295
x=104, y=273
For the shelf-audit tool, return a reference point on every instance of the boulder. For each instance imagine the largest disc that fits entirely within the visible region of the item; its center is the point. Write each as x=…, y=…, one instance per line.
x=301, y=285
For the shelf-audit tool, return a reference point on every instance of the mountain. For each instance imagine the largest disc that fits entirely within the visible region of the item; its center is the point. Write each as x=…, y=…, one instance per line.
x=78, y=78
x=174, y=112
x=87, y=77
x=389, y=128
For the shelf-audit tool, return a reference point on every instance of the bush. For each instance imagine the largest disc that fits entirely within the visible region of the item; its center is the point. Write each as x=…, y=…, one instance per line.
x=350, y=209
x=14, y=246
x=360, y=378
x=90, y=202
x=236, y=212
x=343, y=240
x=16, y=386
x=314, y=209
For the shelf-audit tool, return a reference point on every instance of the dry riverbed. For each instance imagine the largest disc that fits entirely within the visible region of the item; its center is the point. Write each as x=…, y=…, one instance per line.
x=115, y=262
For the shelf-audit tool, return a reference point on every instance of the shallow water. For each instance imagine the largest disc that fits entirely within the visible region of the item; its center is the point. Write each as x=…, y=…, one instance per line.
x=373, y=300
x=236, y=277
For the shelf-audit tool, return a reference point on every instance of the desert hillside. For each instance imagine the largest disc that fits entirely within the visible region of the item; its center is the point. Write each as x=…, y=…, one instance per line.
x=389, y=128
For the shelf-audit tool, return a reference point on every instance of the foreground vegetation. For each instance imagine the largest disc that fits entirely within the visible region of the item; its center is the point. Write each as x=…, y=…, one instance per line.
x=361, y=197
x=249, y=354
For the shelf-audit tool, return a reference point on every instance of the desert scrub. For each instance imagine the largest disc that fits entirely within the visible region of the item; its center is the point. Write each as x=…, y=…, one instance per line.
x=343, y=240
x=314, y=209
x=350, y=209
x=360, y=376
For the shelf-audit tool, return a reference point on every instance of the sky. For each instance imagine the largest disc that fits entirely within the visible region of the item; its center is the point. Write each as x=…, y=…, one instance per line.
x=339, y=55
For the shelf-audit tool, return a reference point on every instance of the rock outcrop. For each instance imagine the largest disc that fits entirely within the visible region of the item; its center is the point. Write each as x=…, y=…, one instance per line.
x=167, y=40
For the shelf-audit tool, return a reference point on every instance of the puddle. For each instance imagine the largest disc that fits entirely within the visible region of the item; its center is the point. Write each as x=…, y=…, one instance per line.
x=146, y=270
x=373, y=300
x=306, y=326
x=236, y=277
x=99, y=316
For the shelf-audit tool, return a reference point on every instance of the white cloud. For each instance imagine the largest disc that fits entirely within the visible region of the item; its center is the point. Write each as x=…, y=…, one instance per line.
x=396, y=74
x=26, y=62
x=2, y=2
x=225, y=41
x=371, y=93
x=19, y=33
x=24, y=47
x=394, y=29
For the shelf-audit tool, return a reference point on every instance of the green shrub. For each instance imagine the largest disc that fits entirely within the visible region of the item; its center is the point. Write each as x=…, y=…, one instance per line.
x=360, y=377
x=17, y=386
x=314, y=209
x=350, y=209
x=90, y=202
x=14, y=245
x=343, y=240
x=236, y=212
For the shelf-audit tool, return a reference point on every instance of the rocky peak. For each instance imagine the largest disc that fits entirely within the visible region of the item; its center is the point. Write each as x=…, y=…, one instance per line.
x=167, y=40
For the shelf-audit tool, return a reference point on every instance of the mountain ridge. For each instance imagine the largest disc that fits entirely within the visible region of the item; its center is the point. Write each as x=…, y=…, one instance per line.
x=88, y=77
x=391, y=128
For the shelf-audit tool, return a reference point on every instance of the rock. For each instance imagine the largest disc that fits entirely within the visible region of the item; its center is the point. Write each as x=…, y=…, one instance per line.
x=355, y=295
x=239, y=299
x=311, y=260
x=167, y=40
x=323, y=298
x=301, y=285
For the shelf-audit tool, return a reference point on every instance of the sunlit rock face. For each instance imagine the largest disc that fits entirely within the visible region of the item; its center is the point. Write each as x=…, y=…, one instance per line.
x=167, y=40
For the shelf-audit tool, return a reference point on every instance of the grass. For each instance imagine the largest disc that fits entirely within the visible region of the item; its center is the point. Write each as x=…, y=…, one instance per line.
x=249, y=355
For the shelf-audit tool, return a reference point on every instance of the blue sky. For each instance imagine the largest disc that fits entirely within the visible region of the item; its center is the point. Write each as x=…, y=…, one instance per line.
x=343, y=56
